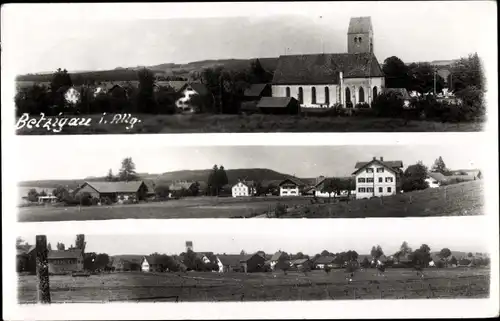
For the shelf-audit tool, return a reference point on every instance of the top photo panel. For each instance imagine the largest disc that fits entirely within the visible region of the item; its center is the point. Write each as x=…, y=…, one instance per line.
x=321, y=67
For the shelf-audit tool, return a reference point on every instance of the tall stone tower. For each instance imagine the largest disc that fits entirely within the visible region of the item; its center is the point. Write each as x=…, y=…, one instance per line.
x=189, y=246
x=360, y=35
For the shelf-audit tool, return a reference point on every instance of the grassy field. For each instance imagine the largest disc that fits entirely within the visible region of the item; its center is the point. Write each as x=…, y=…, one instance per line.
x=453, y=200
x=192, y=207
x=209, y=123
x=316, y=285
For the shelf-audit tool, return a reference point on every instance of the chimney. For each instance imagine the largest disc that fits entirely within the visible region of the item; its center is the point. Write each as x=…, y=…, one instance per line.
x=381, y=159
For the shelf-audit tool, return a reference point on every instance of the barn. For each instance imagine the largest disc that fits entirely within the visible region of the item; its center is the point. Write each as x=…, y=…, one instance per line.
x=67, y=261
x=114, y=190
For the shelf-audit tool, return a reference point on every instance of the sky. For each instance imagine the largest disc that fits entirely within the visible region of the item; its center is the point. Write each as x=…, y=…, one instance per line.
x=89, y=158
x=306, y=237
x=104, y=36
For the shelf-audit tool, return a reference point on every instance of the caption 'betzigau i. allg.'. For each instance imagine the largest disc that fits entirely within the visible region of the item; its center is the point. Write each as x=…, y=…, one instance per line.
x=56, y=124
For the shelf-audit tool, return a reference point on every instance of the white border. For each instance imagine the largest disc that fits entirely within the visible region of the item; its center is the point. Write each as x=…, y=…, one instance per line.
x=328, y=309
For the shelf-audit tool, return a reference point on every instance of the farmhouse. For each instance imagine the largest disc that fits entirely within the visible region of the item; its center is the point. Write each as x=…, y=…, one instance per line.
x=241, y=263
x=66, y=261
x=155, y=263
x=377, y=178
x=291, y=187
x=323, y=261
x=434, y=179
x=244, y=188
x=302, y=264
x=26, y=258
x=278, y=105
x=320, y=186
x=323, y=80
x=114, y=190
x=181, y=185
x=278, y=256
x=257, y=91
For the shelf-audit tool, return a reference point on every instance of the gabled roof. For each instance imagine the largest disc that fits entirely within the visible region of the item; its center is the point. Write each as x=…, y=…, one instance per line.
x=399, y=91
x=390, y=165
x=276, y=256
x=24, y=249
x=255, y=90
x=66, y=254
x=200, y=88
x=324, y=260
x=299, y=261
x=177, y=85
x=437, y=176
x=325, y=68
x=157, y=259
x=293, y=181
x=360, y=25
x=115, y=187
x=246, y=183
x=177, y=186
x=275, y=102
x=230, y=259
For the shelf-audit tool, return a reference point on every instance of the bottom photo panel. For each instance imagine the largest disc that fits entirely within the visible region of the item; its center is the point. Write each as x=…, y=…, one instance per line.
x=374, y=259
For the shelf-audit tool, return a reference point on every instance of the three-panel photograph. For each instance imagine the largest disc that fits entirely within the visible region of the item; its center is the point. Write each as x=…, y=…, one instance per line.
x=252, y=160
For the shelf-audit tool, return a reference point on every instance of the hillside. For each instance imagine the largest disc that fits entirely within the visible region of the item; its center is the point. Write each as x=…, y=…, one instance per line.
x=233, y=175
x=130, y=74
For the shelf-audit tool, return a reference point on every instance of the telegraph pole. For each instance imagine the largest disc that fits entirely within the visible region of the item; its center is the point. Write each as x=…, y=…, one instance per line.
x=42, y=269
x=435, y=72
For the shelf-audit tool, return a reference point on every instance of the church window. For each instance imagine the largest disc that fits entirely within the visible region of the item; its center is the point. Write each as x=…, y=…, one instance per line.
x=313, y=95
x=301, y=95
x=359, y=39
x=361, y=95
x=288, y=91
x=347, y=96
x=327, y=96
x=375, y=92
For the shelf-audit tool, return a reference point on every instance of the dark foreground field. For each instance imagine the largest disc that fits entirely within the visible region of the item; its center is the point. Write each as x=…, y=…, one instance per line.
x=209, y=123
x=453, y=200
x=316, y=285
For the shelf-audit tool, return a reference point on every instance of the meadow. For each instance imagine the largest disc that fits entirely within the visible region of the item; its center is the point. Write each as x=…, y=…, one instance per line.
x=452, y=200
x=276, y=286
x=210, y=123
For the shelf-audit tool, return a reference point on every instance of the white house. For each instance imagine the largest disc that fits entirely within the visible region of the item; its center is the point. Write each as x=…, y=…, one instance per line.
x=243, y=188
x=145, y=266
x=275, y=259
x=290, y=187
x=377, y=178
x=188, y=91
x=323, y=80
x=434, y=179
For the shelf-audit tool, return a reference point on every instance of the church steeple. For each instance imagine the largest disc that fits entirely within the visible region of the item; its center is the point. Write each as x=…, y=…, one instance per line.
x=360, y=35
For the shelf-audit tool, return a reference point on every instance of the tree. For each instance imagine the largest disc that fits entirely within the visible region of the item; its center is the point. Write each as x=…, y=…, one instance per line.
x=299, y=256
x=61, y=78
x=422, y=256
x=388, y=104
x=61, y=193
x=49, y=247
x=376, y=252
x=19, y=241
x=243, y=252
x=110, y=177
x=194, y=189
x=325, y=253
x=422, y=78
x=453, y=260
x=212, y=181
x=80, y=242
x=259, y=75
x=467, y=72
x=414, y=178
x=145, y=95
x=365, y=263
x=470, y=254
x=396, y=73
x=127, y=171
x=405, y=248
x=329, y=186
x=440, y=167
x=33, y=195
x=221, y=176
x=445, y=253
x=60, y=246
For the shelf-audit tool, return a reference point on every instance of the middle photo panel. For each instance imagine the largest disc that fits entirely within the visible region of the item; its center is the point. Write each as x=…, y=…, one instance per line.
x=152, y=181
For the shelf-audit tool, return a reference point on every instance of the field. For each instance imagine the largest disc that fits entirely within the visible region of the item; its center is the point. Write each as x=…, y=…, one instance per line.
x=316, y=285
x=209, y=123
x=453, y=200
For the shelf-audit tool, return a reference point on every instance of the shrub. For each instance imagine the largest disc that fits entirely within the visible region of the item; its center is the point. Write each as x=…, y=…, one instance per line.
x=280, y=210
x=362, y=106
x=388, y=105
x=439, y=264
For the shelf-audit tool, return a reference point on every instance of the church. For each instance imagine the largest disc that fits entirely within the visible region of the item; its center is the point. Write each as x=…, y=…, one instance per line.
x=323, y=80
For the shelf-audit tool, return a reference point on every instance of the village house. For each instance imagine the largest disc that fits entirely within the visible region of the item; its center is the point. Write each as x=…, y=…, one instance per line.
x=26, y=258
x=257, y=91
x=277, y=257
x=244, y=188
x=318, y=190
x=300, y=264
x=185, y=104
x=326, y=79
x=155, y=263
x=278, y=105
x=323, y=261
x=114, y=190
x=241, y=263
x=66, y=261
x=377, y=178
x=434, y=179
x=291, y=187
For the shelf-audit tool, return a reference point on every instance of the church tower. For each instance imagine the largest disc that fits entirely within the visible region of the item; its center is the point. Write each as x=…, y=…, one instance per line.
x=360, y=35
